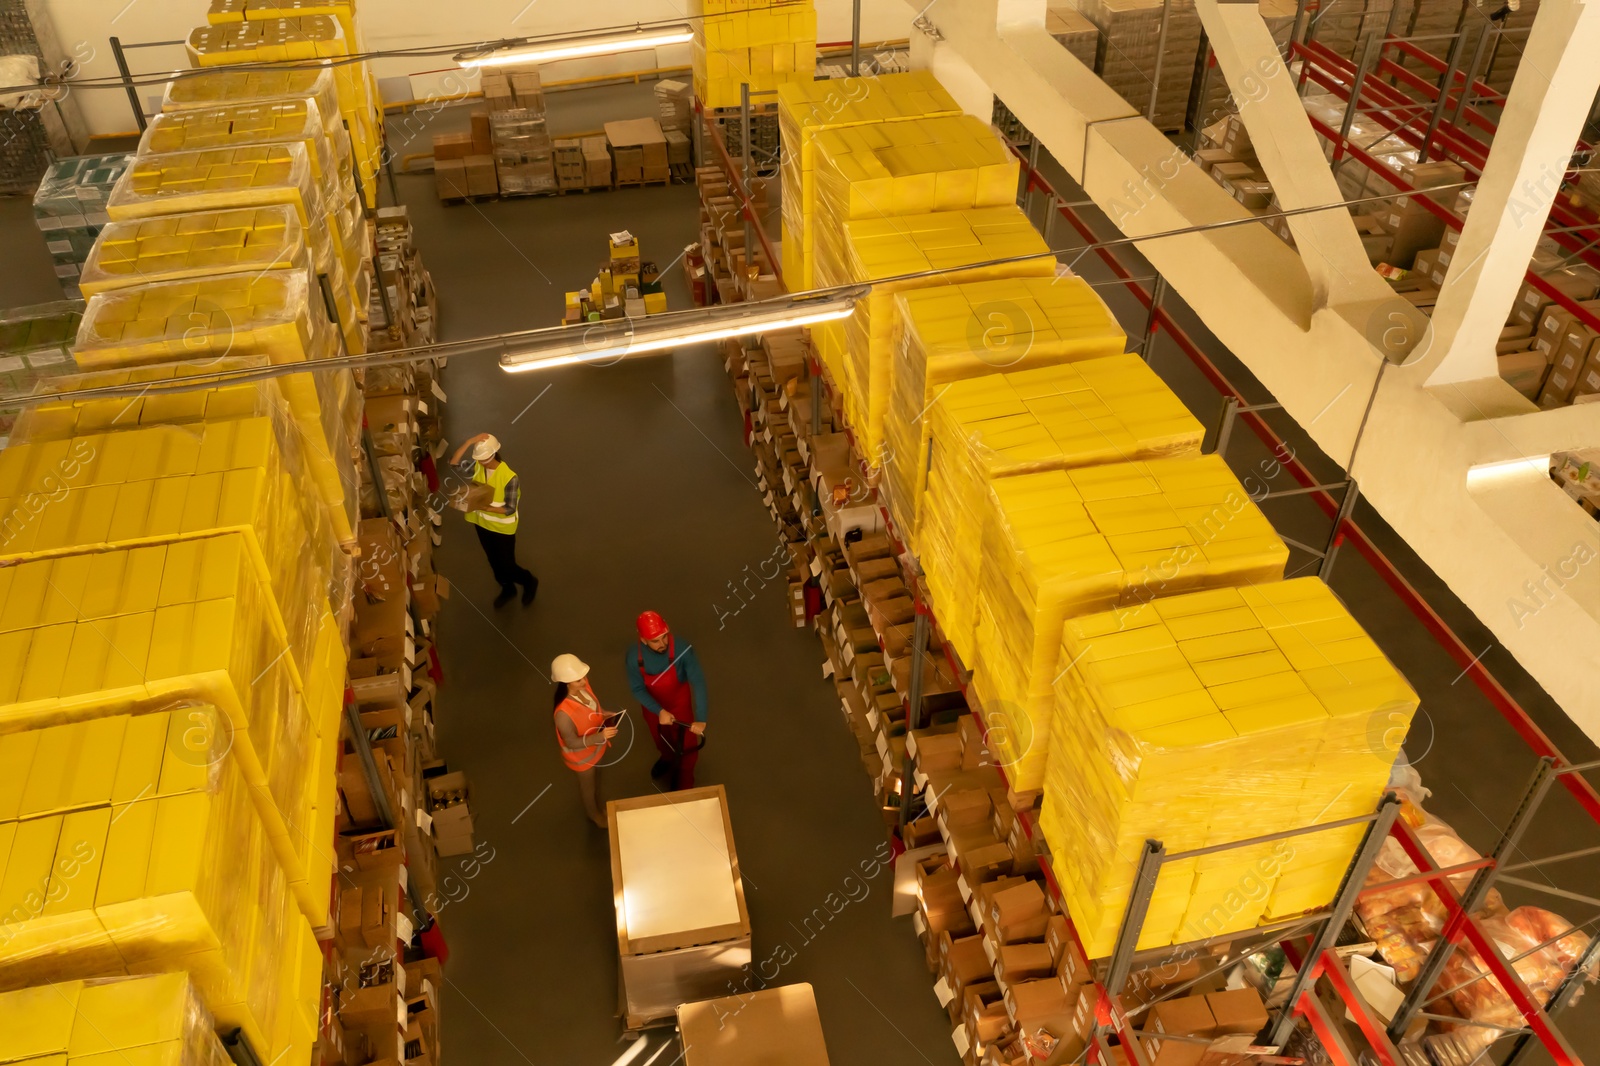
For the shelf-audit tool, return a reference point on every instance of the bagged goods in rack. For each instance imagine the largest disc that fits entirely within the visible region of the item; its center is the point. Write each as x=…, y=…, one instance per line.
x=950, y=333
x=806, y=109
x=857, y=350
x=141, y=884
x=887, y=169
x=984, y=429
x=156, y=1019
x=1067, y=542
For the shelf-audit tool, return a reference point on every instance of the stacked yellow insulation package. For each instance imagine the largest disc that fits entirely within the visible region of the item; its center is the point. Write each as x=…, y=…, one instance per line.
x=203, y=244
x=287, y=30
x=951, y=333
x=1206, y=718
x=1065, y=542
x=1108, y=410
x=117, y=1021
x=130, y=850
x=807, y=108
x=269, y=317
x=858, y=349
x=762, y=43
x=888, y=169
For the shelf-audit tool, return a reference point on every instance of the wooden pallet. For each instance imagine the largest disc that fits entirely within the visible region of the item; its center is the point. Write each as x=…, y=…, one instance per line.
x=480, y=198
x=660, y=183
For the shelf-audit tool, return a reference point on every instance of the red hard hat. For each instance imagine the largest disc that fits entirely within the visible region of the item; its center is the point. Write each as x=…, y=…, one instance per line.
x=651, y=626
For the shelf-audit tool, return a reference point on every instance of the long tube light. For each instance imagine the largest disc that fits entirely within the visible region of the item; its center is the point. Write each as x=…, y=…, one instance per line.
x=615, y=339
x=548, y=51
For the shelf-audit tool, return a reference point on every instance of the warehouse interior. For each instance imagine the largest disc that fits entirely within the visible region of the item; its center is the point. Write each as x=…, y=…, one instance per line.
x=464, y=885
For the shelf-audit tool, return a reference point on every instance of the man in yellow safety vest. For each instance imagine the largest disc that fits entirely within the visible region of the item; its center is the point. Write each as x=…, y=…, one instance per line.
x=497, y=521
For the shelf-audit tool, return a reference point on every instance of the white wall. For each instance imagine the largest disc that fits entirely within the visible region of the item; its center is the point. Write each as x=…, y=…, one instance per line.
x=85, y=26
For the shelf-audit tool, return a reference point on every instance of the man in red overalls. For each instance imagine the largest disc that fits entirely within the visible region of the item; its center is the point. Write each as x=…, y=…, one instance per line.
x=671, y=689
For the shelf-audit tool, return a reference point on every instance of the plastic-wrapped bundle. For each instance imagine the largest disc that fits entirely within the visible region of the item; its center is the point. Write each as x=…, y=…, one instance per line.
x=138, y=883
x=301, y=38
x=1068, y=542
x=1207, y=718
x=155, y=1019
x=35, y=346
x=807, y=108
x=857, y=350
x=761, y=43
x=223, y=12
x=888, y=169
x=69, y=207
x=947, y=334
x=199, y=245
x=983, y=429
x=240, y=316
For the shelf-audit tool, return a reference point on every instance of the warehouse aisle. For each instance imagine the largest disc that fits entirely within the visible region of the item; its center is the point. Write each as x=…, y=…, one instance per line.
x=637, y=492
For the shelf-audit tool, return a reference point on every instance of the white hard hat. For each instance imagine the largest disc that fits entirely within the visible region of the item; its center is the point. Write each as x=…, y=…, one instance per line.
x=486, y=448
x=568, y=668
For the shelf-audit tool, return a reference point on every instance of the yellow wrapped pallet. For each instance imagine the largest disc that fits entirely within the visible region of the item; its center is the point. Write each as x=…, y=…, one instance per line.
x=180, y=624
x=250, y=176
x=199, y=245
x=1109, y=410
x=946, y=334
x=1067, y=542
x=267, y=316
x=807, y=108
x=281, y=122
x=305, y=38
x=1204, y=719
x=888, y=169
x=157, y=1019
x=857, y=350
x=756, y=42
x=104, y=880
x=223, y=12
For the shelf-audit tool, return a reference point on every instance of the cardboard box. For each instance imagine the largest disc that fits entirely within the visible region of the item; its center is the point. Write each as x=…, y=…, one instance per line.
x=451, y=146
x=1024, y=962
x=481, y=179
x=1186, y=1016
x=482, y=142
x=1239, y=1011
x=450, y=179
x=641, y=135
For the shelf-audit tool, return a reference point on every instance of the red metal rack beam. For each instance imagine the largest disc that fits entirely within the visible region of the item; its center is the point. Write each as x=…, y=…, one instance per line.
x=1389, y=68
x=1417, y=52
x=746, y=207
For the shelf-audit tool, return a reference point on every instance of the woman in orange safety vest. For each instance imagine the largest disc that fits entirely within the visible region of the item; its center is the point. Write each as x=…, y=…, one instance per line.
x=583, y=728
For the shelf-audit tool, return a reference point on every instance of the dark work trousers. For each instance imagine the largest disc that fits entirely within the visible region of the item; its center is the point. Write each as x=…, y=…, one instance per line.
x=501, y=548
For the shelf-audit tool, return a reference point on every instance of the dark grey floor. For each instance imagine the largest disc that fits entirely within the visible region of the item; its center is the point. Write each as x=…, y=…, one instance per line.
x=639, y=493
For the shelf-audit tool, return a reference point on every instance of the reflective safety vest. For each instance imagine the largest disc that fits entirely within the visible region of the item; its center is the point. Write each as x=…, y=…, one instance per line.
x=588, y=721
x=499, y=478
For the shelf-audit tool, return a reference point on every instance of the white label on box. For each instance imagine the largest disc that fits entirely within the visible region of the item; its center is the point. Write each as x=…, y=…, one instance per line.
x=437, y=391
x=410, y=631
x=403, y=876
x=816, y=567
x=405, y=676
x=424, y=821
x=977, y=917
x=1533, y=297
x=827, y=668
x=988, y=950
x=400, y=1006
x=958, y=1036
x=919, y=780
x=845, y=707
x=422, y=408
x=410, y=652
x=933, y=802
x=405, y=403
x=942, y=989
x=767, y=499
x=436, y=518
x=966, y=892
x=883, y=748
x=918, y=924
x=403, y=930
x=761, y=481
x=873, y=720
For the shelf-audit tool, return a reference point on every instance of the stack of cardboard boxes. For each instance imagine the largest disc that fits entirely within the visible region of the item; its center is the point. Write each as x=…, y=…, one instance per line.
x=408, y=294
x=1130, y=39
x=761, y=43
x=568, y=157
x=596, y=163
x=638, y=151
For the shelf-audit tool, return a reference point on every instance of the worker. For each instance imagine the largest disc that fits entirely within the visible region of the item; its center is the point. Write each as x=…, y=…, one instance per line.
x=584, y=729
x=671, y=689
x=497, y=521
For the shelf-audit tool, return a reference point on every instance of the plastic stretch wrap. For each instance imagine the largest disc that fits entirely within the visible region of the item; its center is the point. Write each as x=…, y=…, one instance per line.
x=220, y=87
x=889, y=169
x=858, y=349
x=35, y=346
x=72, y=193
x=226, y=11
x=301, y=38
x=1108, y=410
x=1068, y=542
x=114, y=882
x=807, y=108
x=156, y=484
x=947, y=334
x=761, y=43
x=199, y=245
x=266, y=315
x=154, y=1019
x=1204, y=719
x=90, y=635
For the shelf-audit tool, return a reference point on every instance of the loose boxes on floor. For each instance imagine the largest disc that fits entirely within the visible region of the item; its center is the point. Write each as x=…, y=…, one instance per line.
x=807, y=108
x=1108, y=410
x=946, y=334
x=1067, y=542
x=1208, y=718
x=857, y=350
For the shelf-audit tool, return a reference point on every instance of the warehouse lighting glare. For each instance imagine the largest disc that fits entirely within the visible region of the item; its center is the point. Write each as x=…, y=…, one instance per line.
x=522, y=50
x=615, y=339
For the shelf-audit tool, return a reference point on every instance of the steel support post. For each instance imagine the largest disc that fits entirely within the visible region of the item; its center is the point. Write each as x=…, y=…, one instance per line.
x=1355, y=879
x=818, y=394
x=1347, y=507
x=127, y=82
x=1446, y=82
x=1472, y=899
x=1230, y=412
x=1484, y=33
x=855, y=38
x=747, y=180
x=1161, y=48
x=1144, y=887
x=1362, y=66
x=919, y=656
x=1560, y=999
x=388, y=169
x=1158, y=291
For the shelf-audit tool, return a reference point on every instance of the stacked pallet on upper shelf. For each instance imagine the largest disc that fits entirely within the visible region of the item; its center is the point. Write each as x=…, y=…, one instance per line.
x=1131, y=37
x=950, y=333
x=761, y=43
x=1064, y=22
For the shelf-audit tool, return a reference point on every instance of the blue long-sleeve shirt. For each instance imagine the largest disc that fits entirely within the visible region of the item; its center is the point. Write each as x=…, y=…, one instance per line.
x=656, y=662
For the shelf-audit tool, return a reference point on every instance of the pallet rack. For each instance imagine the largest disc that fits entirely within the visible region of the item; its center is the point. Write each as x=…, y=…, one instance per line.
x=1313, y=955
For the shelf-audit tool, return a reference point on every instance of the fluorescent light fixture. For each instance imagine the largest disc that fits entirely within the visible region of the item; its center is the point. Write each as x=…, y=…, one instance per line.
x=617, y=338
x=523, y=50
x=1504, y=471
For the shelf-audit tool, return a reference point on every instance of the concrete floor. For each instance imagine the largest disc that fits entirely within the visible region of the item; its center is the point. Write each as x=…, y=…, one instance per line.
x=639, y=493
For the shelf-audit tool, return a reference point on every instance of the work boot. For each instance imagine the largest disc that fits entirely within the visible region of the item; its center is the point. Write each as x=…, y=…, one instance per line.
x=507, y=594
x=660, y=768
x=530, y=592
